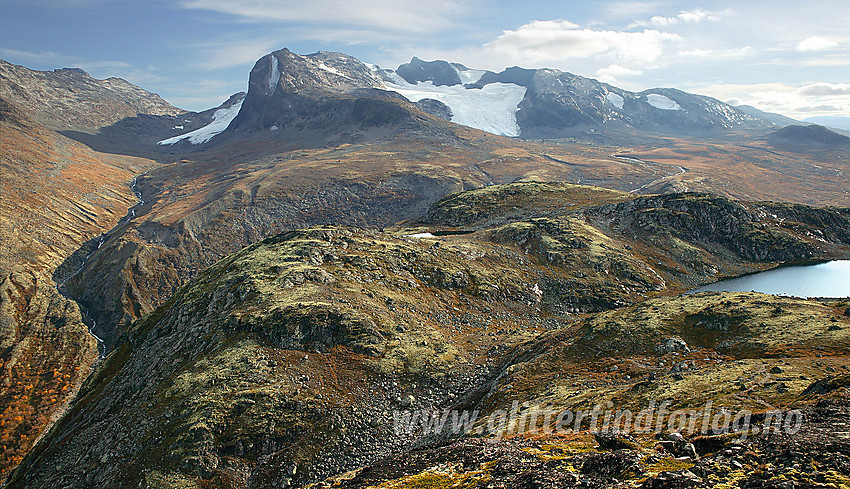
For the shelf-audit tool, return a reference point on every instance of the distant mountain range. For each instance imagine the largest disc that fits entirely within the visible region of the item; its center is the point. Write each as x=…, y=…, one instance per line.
x=542, y=103
x=68, y=99
x=292, y=90
x=546, y=103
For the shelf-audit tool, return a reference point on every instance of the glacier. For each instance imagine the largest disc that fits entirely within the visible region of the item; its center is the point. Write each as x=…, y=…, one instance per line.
x=469, y=76
x=221, y=119
x=491, y=108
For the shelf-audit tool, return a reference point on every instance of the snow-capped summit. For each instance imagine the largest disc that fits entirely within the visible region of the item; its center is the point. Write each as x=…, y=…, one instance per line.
x=324, y=90
x=551, y=103
x=325, y=71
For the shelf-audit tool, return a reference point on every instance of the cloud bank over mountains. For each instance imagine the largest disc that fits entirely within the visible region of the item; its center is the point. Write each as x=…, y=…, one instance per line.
x=771, y=54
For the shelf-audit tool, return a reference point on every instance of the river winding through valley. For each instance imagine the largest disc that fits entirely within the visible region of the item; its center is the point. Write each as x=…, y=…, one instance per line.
x=90, y=322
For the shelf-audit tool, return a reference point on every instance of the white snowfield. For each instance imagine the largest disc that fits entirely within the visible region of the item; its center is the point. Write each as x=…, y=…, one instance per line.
x=615, y=99
x=274, y=74
x=662, y=102
x=469, y=76
x=492, y=108
x=221, y=119
x=331, y=69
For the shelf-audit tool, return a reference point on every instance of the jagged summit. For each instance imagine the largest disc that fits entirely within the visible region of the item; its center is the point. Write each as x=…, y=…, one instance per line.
x=321, y=71
x=323, y=90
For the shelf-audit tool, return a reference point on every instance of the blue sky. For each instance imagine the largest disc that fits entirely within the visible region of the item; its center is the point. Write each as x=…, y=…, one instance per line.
x=787, y=57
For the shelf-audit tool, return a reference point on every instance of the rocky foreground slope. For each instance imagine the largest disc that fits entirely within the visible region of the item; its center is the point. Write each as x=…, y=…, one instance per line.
x=764, y=360
x=283, y=363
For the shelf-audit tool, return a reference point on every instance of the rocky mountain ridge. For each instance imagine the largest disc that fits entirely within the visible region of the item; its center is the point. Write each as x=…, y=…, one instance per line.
x=68, y=99
x=558, y=104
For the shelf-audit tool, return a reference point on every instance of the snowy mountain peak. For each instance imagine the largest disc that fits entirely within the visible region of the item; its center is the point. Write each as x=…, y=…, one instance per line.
x=551, y=103
x=284, y=88
x=491, y=108
x=292, y=73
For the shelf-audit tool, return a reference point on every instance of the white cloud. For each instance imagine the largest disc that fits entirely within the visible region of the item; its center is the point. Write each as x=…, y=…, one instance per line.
x=543, y=41
x=816, y=43
x=692, y=16
x=612, y=73
x=793, y=101
x=719, y=54
x=227, y=54
x=825, y=89
x=697, y=53
x=684, y=17
x=390, y=16
x=843, y=61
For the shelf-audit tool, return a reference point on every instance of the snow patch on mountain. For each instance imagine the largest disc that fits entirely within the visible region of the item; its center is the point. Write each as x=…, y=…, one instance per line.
x=662, y=102
x=492, y=108
x=469, y=76
x=616, y=100
x=221, y=119
x=331, y=69
x=274, y=74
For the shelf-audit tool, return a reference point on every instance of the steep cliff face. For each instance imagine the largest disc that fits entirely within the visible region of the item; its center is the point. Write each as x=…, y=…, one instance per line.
x=742, y=228
x=329, y=91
